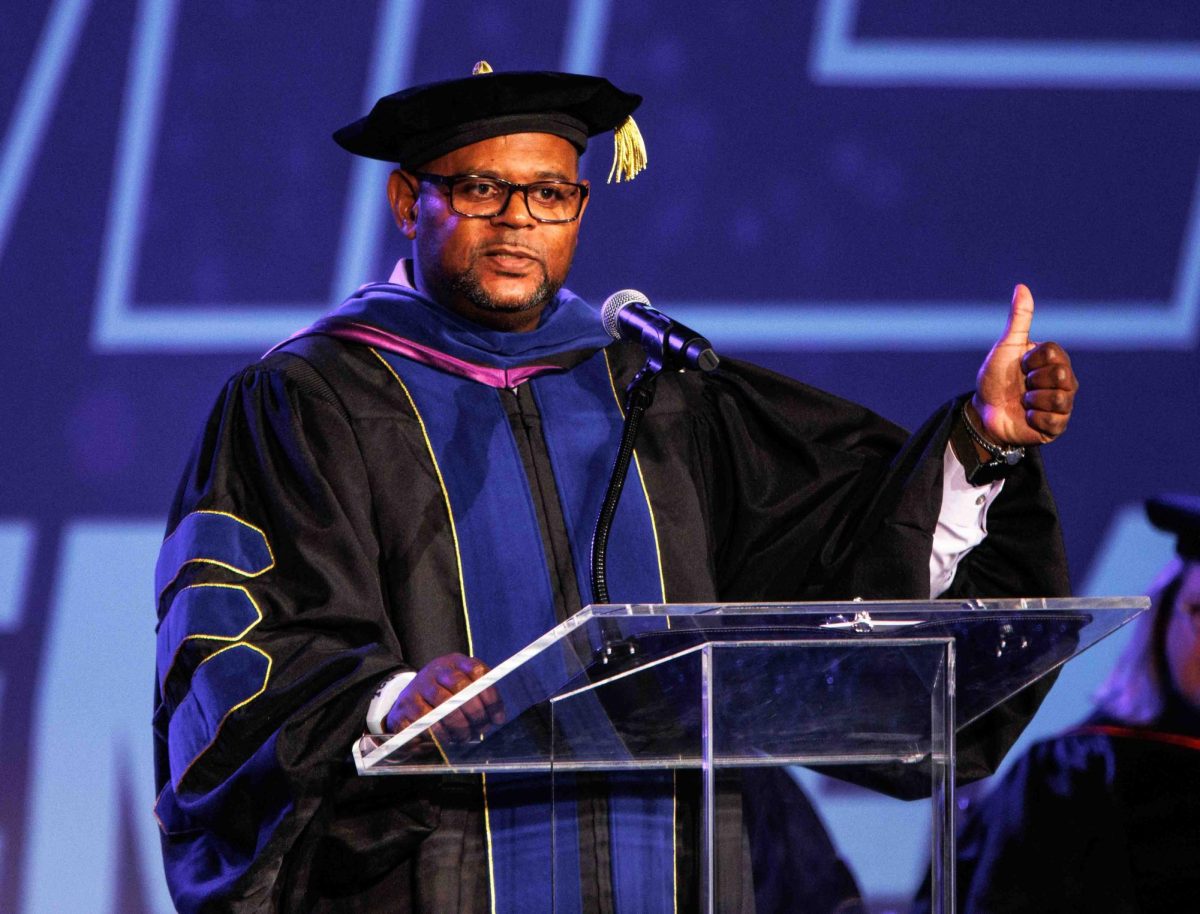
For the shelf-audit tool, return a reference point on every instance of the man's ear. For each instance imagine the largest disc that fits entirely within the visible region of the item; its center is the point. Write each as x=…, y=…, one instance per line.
x=402, y=195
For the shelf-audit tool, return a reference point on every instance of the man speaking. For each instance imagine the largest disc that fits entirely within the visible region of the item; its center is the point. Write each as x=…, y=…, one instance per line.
x=403, y=495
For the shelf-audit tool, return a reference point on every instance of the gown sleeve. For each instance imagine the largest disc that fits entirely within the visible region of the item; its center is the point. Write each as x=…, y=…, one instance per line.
x=815, y=498
x=273, y=634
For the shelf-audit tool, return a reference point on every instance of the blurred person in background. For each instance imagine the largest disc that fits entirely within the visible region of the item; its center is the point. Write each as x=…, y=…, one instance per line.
x=1106, y=816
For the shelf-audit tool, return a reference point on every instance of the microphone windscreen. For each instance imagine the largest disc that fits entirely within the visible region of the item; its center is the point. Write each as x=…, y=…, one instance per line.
x=614, y=304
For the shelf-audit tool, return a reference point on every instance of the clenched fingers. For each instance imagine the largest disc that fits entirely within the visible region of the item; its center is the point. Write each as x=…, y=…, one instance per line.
x=1046, y=354
x=1049, y=401
x=1050, y=387
x=1048, y=424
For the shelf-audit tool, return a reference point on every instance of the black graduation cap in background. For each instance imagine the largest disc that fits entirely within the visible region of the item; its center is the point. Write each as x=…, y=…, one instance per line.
x=1178, y=514
x=416, y=125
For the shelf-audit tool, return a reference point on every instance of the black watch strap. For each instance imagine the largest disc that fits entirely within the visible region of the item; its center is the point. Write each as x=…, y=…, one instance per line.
x=964, y=437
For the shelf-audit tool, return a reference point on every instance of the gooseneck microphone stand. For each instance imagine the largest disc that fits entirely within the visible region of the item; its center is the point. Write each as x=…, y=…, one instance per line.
x=638, y=397
x=627, y=315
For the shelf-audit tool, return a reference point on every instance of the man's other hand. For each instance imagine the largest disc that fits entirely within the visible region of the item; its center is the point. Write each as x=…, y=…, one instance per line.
x=1025, y=391
x=439, y=680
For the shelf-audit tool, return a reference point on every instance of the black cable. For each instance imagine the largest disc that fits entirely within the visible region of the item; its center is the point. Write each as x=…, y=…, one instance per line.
x=638, y=398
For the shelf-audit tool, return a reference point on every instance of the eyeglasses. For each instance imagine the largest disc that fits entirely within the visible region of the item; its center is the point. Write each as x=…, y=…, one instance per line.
x=482, y=197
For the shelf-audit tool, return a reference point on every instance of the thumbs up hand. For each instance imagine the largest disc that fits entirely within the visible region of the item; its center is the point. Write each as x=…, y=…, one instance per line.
x=1025, y=391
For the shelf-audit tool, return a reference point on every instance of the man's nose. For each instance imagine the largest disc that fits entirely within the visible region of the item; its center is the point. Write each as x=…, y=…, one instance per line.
x=516, y=211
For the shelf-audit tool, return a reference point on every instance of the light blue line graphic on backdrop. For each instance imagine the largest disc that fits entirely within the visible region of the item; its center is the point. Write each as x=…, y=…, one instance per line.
x=583, y=50
x=17, y=539
x=122, y=325
x=102, y=614
x=36, y=100
x=838, y=57
x=391, y=65
x=1130, y=556
x=857, y=818
x=587, y=32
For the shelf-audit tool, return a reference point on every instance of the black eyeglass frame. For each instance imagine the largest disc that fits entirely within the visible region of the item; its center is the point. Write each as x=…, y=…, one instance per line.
x=448, y=181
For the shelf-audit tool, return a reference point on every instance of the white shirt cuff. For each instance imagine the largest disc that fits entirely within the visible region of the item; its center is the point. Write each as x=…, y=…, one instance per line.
x=961, y=523
x=385, y=697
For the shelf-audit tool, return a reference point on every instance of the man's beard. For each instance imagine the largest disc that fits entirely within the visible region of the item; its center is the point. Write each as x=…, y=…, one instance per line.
x=467, y=285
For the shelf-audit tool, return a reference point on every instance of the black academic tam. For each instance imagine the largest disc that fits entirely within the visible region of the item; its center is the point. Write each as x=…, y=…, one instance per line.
x=421, y=123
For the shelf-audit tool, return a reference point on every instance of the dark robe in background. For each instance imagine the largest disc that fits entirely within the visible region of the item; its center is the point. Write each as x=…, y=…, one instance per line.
x=312, y=500
x=1105, y=817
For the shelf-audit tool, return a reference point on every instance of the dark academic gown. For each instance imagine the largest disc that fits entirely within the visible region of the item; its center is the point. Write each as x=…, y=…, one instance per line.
x=313, y=489
x=1105, y=817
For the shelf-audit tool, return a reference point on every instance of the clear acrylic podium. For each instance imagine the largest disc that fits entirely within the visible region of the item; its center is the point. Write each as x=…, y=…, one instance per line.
x=845, y=687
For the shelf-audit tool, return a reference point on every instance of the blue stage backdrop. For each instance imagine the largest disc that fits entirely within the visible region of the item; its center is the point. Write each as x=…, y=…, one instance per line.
x=843, y=190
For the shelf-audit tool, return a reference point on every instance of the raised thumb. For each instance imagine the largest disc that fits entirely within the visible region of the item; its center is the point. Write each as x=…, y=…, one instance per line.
x=1020, y=316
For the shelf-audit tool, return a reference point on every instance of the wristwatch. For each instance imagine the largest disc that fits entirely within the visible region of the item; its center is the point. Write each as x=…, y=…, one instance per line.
x=963, y=438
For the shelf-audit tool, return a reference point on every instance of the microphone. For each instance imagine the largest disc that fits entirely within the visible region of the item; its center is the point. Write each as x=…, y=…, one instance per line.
x=627, y=315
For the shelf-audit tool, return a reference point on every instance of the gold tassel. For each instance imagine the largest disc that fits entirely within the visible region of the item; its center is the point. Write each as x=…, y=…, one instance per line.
x=481, y=67
x=629, y=152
